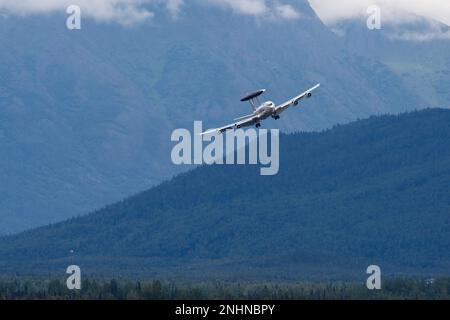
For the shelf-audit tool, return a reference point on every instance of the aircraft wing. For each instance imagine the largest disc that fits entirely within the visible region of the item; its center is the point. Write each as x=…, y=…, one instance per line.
x=245, y=117
x=240, y=124
x=279, y=109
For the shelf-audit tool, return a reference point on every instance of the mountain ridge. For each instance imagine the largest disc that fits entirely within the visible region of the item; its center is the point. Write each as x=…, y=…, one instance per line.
x=345, y=198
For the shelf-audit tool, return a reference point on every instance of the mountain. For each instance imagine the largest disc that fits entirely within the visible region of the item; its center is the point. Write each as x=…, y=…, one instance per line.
x=374, y=191
x=418, y=51
x=86, y=116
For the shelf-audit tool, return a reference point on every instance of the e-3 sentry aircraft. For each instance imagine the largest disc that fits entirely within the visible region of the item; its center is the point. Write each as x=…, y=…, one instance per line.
x=261, y=111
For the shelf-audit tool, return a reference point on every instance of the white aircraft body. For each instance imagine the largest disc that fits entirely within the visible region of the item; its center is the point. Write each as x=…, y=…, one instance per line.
x=261, y=111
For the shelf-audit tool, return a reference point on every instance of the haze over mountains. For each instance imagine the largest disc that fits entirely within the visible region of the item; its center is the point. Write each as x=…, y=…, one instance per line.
x=371, y=192
x=86, y=116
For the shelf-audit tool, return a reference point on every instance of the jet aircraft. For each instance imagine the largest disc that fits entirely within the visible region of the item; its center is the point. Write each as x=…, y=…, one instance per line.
x=261, y=111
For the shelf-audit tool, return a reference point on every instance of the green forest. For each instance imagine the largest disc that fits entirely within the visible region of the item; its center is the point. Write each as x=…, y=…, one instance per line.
x=375, y=191
x=400, y=288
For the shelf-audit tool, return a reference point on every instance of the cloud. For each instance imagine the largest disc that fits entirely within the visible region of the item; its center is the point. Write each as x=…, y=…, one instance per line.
x=174, y=7
x=264, y=8
x=121, y=11
x=249, y=7
x=398, y=11
x=288, y=12
x=134, y=11
x=428, y=32
x=401, y=14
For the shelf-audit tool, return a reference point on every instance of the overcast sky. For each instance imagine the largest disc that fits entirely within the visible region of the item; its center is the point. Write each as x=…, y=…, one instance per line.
x=330, y=11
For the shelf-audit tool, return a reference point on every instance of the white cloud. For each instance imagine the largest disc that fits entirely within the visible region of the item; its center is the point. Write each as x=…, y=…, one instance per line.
x=250, y=7
x=332, y=11
x=431, y=31
x=174, y=6
x=135, y=11
x=265, y=8
x=396, y=13
x=121, y=11
x=288, y=12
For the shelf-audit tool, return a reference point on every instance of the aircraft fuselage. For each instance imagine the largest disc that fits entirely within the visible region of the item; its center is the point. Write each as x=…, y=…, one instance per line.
x=267, y=109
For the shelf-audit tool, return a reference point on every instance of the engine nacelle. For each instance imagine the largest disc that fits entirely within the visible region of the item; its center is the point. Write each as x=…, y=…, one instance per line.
x=295, y=103
x=309, y=95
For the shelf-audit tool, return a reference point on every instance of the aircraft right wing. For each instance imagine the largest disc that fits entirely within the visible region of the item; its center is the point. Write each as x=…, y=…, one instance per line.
x=294, y=101
x=237, y=125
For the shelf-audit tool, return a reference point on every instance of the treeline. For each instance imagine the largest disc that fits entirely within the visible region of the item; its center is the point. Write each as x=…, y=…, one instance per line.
x=156, y=290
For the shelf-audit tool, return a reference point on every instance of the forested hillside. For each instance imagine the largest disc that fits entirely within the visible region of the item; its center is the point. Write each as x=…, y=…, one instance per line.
x=375, y=191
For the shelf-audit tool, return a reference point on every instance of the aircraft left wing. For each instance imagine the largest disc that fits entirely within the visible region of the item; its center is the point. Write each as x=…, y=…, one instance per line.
x=279, y=109
x=236, y=125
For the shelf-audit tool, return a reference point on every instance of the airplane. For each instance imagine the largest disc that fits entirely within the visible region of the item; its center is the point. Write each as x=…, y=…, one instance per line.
x=261, y=111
